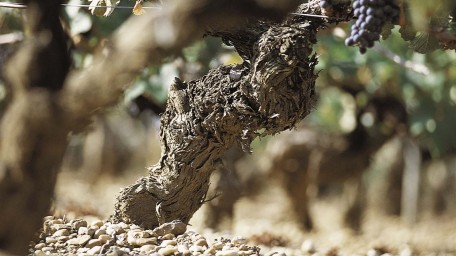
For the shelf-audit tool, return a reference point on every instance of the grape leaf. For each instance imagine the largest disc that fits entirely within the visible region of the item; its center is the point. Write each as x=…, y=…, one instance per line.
x=424, y=43
x=98, y=7
x=386, y=30
x=407, y=32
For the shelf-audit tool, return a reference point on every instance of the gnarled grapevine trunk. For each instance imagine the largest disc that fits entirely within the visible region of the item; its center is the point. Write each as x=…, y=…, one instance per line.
x=46, y=103
x=268, y=93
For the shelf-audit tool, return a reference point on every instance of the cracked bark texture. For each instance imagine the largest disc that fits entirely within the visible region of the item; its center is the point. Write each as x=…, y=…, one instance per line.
x=47, y=102
x=271, y=91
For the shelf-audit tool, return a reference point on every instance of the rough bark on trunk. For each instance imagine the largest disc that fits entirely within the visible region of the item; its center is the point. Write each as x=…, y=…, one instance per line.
x=268, y=93
x=46, y=104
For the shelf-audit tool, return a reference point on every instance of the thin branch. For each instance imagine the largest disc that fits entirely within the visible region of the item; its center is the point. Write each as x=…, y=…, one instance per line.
x=416, y=67
x=11, y=38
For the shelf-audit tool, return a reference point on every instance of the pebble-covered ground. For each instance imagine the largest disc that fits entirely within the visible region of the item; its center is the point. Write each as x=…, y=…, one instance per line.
x=261, y=226
x=78, y=237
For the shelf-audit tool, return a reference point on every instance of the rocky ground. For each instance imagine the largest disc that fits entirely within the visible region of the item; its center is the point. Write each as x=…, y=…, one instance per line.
x=262, y=225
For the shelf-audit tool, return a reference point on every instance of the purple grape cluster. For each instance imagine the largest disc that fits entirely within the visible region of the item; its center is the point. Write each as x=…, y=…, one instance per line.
x=371, y=16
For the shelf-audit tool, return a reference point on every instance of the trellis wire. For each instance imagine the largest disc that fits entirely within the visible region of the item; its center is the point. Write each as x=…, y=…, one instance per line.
x=23, y=6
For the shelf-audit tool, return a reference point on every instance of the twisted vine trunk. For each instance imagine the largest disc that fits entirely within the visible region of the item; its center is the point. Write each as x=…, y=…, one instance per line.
x=271, y=91
x=46, y=103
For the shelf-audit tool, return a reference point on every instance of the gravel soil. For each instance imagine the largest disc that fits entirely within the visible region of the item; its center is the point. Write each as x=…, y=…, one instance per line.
x=262, y=225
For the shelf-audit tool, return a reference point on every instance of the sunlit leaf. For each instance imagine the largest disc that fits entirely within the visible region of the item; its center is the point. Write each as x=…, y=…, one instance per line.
x=138, y=9
x=99, y=7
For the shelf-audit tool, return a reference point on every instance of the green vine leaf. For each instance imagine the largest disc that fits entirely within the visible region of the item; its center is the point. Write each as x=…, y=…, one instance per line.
x=424, y=43
x=408, y=33
x=386, y=31
x=98, y=7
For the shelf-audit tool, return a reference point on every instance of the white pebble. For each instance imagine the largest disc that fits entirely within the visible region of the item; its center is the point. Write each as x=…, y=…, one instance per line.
x=167, y=250
x=196, y=248
x=40, y=246
x=201, y=242
x=93, y=242
x=308, y=246
x=183, y=249
x=50, y=240
x=168, y=242
x=39, y=253
x=228, y=253
x=61, y=232
x=99, y=232
x=372, y=252
x=83, y=231
x=147, y=248
x=81, y=240
x=94, y=250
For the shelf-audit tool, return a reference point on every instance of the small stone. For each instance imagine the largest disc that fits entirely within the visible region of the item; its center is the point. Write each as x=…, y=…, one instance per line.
x=123, y=225
x=217, y=245
x=56, y=221
x=228, y=253
x=148, y=248
x=93, y=242
x=97, y=223
x=175, y=227
x=372, y=252
x=134, y=226
x=210, y=251
x=83, y=231
x=239, y=240
x=308, y=246
x=201, y=242
x=99, y=232
x=40, y=246
x=134, y=234
x=144, y=241
x=61, y=226
x=114, y=229
x=82, y=250
x=407, y=251
x=167, y=250
x=50, y=240
x=182, y=248
x=81, y=240
x=165, y=243
x=47, y=249
x=61, y=232
x=196, y=248
x=94, y=250
x=168, y=237
x=104, y=238
x=40, y=253
x=77, y=223
x=63, y=238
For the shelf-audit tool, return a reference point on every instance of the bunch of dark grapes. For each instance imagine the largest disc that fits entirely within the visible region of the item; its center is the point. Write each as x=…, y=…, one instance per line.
x=371, y=16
